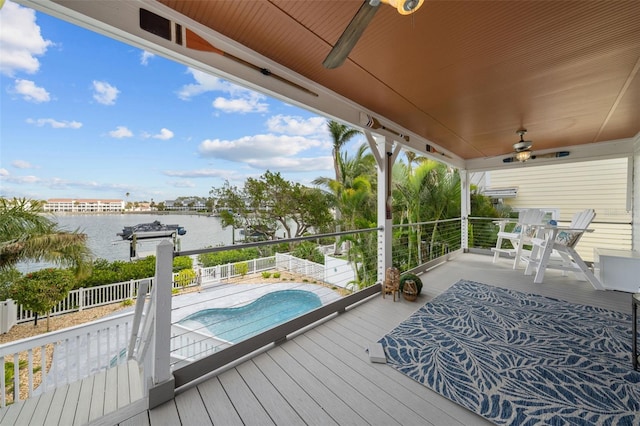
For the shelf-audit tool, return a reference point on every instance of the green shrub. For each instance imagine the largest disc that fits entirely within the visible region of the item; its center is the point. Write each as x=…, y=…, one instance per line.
x=8, y=276
x=9, y=373
x=185, y=277
x=228, y=256
x=413, y=277
x=266, y=275
x=182, y=262
x=127, y=302
x=309, y=251
x=242, y=268
x=105, y=272
x=40, y=291
x=276, y=275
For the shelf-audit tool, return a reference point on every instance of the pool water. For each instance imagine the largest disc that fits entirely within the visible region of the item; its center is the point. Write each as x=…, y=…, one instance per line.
x=270, y=310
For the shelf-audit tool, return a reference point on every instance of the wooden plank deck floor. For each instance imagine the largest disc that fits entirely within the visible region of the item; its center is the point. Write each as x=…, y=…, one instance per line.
x=324, y=376
x=320, y=377
x=104, y=398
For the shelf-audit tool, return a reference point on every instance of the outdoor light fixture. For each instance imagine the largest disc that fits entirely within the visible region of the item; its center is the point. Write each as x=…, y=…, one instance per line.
x=523, y=156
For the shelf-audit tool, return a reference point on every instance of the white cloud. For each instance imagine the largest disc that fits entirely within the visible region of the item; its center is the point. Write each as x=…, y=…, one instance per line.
x=267, y=152
x=294, y=125
x=105, y=93
x=21, y=164
x=145, y=56
x=258, y=146
x=4, y=172
x=121, y=132
x=183, y=184
x=20, y=40
x=293, y=164
x=30, y=92
x=206, y=83
x=203, y=173
x=40, y=122
x=240, y=100
x=22, y=180
x=251, y=103
x=165, y=134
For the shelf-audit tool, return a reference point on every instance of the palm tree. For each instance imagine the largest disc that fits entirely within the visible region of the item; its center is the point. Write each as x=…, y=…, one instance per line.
x=430, y=192
x=352, y=171
x=341, y=134
x=26, y=234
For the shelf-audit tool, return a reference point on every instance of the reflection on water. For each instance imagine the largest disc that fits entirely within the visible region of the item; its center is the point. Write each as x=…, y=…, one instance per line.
x=101, y=230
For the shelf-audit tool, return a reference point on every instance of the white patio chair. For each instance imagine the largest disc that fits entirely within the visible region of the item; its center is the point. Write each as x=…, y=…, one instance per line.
x=562, y=241
x=525, y=229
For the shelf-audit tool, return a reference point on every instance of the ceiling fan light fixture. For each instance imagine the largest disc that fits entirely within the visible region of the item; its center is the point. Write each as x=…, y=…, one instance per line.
x=405, y=7
x=523, y=156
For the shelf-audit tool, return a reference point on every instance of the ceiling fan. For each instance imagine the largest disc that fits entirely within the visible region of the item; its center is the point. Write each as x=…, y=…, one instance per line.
x=359, y=22
x=522, y=151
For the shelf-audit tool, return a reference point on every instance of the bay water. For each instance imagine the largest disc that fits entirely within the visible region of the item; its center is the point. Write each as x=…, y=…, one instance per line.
x=101, y=229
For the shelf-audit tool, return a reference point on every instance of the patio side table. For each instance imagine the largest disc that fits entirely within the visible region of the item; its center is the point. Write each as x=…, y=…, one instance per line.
x=635, y=301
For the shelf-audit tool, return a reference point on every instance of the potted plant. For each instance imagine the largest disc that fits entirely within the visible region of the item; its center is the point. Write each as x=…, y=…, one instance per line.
x=410, y=291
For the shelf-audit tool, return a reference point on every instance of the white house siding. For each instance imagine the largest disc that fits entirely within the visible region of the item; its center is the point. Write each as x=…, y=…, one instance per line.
x=636, y=194
x=600, y=185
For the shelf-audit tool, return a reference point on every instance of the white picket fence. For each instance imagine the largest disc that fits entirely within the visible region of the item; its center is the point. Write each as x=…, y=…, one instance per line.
x=216, y=274
x=286, y=262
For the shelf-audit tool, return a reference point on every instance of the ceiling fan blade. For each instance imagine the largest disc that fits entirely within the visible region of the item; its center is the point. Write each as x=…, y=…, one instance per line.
x=558, y=154
x=351, y=35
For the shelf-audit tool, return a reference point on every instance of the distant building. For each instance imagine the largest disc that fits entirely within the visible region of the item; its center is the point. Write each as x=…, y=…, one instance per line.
x=83, y=205
x=186, y=204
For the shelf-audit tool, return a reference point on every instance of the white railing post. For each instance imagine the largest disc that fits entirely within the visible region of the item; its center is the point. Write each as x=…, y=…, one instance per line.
x=465, y=208
x=80, y=298
x=163, y=384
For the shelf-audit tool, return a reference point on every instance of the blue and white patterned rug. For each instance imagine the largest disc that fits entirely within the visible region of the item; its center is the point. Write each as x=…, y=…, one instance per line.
x=521, y=359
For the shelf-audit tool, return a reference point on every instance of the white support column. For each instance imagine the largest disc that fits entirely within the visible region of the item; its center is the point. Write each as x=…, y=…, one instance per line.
x=385, y=155
x=163, y=386
x=465, y=209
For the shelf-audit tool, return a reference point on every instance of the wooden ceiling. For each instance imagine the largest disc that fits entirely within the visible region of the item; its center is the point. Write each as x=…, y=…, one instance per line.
x=461, y=75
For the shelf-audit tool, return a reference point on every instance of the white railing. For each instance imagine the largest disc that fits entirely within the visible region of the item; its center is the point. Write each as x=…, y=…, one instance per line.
x=187, y=345
x=216, y=274
x=64, y=356
x=286, y=262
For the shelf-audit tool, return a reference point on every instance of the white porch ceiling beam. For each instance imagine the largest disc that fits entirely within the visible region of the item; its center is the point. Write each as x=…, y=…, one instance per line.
x=586, y=152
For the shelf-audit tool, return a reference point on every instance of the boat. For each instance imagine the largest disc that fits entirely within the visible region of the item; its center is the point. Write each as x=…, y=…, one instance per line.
x=154, y=229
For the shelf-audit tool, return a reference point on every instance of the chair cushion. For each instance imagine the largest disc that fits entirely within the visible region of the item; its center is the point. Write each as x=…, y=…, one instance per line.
x=567, y=238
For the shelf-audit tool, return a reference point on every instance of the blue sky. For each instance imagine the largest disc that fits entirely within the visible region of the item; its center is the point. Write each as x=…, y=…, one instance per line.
x=85, y=116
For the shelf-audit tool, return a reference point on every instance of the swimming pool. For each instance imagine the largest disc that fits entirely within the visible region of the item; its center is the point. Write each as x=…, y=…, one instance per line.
x=237, y=324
